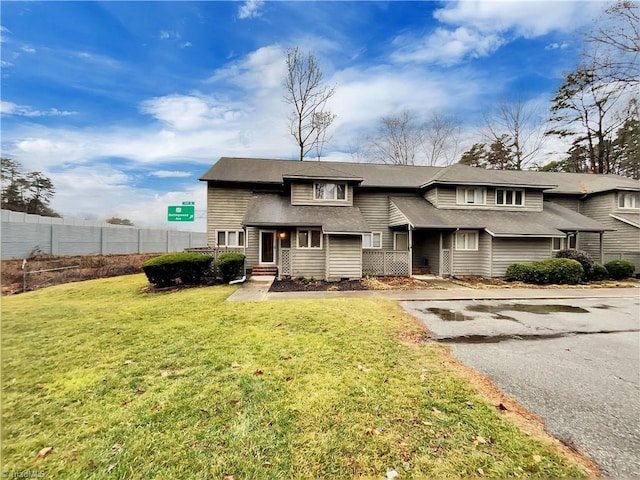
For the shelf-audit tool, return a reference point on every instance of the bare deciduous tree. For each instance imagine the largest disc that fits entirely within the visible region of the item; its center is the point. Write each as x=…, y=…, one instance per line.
x=441, y=140
x=517, y=123
x=399, y=139
x=617, y=38
x=308, y=94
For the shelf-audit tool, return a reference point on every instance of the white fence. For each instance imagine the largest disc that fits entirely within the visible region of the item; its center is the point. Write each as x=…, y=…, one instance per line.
x=24, y=235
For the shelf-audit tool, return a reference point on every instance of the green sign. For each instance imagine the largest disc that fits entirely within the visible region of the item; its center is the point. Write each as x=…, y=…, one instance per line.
x=188, y=203
x=181, y=213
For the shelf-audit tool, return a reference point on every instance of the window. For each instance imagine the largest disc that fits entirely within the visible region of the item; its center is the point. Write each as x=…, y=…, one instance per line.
x=471, y=196
x=372, y=240
x=466, y=240
x=308, y=238
x=230, y=238
x=572, y=239
x=557, y=244
x=509, y=197
x=629, y=200
x=329, y=191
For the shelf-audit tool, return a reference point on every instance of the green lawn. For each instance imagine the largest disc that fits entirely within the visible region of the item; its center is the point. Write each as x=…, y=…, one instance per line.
x=126, y=385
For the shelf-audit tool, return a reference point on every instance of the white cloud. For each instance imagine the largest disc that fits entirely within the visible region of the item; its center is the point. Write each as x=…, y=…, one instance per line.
x=28, y=49
x=556, y=46
x=186, y=44
x=528, y=18
x=169, y=35
x=446, y=46
x=474, y=28
x=262, y=69
x=96, y=59
x=10, y=108
x=170, y=174
x=250, y=9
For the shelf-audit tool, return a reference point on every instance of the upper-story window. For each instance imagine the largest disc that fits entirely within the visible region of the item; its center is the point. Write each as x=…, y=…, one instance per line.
x=629, y=200
x=471, y=195
x=509, y=197
x=329, y=191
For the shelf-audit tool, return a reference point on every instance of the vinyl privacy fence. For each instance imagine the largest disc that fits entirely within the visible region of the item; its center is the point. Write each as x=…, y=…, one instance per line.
x=24, y=235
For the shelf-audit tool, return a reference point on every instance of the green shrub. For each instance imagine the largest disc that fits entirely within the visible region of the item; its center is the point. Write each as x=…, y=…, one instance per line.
x=598, y=272
x=581, y=256
x=174, y=268
x=553, y=270
x=230, y=265
x=619, y=269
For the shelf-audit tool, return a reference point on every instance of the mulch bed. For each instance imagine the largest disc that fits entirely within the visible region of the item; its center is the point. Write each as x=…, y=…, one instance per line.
x=368, y=283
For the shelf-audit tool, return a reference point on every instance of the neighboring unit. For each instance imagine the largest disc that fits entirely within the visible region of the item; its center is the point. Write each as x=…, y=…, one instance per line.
x=346, y=220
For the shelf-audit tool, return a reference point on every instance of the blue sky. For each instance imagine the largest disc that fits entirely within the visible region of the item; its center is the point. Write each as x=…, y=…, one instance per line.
x=125, y=104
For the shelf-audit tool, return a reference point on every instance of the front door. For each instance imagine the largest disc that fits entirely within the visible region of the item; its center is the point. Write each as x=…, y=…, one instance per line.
x=267, y=247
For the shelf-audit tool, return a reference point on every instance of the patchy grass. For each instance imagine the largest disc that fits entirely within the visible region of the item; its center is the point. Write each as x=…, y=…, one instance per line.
x=127, y=385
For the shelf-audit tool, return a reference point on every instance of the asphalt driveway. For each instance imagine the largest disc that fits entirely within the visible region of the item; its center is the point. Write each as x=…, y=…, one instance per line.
x=575, y=363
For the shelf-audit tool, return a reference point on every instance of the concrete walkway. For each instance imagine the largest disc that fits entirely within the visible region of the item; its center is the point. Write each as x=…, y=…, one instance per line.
x=256, y=289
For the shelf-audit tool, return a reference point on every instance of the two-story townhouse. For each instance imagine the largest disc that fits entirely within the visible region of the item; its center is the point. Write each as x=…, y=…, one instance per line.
x=346, y=220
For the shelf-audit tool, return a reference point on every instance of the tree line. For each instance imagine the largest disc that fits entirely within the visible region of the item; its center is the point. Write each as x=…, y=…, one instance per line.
x=28, y=192
x=595, y=108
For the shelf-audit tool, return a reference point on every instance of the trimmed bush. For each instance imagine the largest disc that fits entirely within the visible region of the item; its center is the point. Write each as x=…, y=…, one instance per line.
x=553, y=270
x=230, y=265
x=174, y=268
x=581, y=256
x=619, y=269
x=598, y=272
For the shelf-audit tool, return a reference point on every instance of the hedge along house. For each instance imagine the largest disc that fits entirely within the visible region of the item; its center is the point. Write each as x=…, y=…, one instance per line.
x=346, y=220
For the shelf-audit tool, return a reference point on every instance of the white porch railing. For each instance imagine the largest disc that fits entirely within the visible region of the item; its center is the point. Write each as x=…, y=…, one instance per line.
x=386, y=262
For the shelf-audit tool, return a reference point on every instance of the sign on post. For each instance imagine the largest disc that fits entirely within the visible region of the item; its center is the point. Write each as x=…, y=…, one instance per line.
x=182, y=213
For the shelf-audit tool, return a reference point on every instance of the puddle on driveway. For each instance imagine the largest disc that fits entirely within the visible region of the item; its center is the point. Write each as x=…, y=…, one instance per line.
x=449, y=315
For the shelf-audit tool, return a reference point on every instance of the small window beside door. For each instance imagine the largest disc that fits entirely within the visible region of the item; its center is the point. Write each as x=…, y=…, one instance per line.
x=309, y=238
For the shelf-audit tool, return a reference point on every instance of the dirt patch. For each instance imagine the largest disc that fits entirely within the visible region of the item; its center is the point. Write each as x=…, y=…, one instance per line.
x=83, y=268
x=368, y=283
x=472, y=281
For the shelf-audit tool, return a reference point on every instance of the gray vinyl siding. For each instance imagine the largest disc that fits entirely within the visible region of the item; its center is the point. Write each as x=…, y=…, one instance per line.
x=344, y=256
x=308, y=262
x=621, y=238
x=225, y=209
x=252, y=251
x=396, y=217
x=431, y=196
x=302, y=194
x=572, y=203
x=506, y=251
x=474, y=262
x=446, y=197
x=375, y=208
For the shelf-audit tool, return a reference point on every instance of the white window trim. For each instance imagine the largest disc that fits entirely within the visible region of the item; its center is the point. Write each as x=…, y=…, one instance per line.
x=635, y=200
x=370, y=235
x=226, y=238
x=513, y=197
x=309, y=247
x=466, y=191
x=467, y=232
x=335, y=199
x=563, y=242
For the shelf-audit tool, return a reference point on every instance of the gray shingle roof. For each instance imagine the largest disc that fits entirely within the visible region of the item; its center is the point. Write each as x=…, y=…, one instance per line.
x=265, y=171
x=552, y=222
x=320, y=170
x=276, y=211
